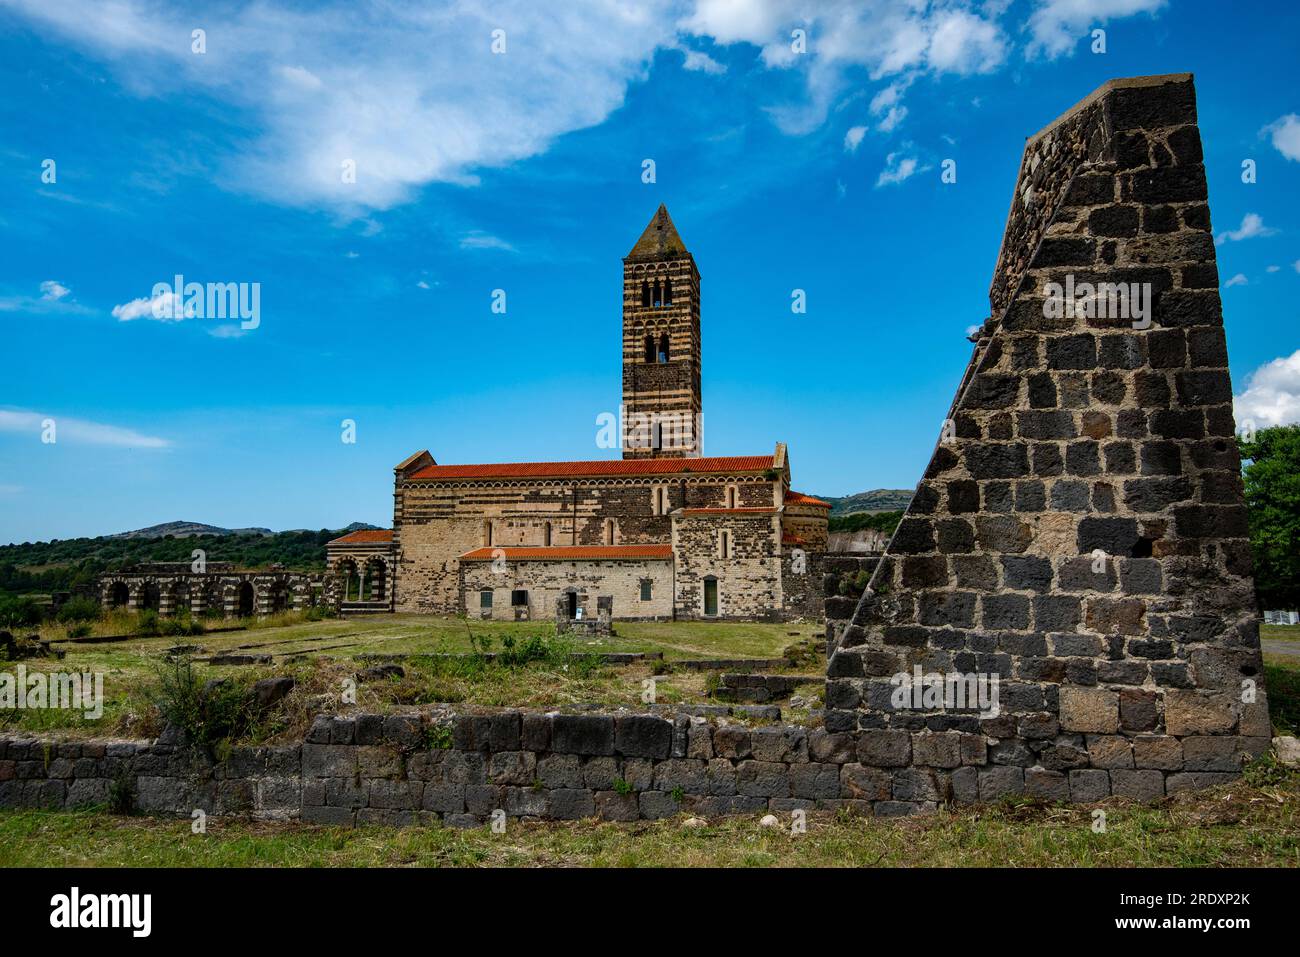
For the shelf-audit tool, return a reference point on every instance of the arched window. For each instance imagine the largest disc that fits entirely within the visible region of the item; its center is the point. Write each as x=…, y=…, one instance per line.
x=649, y=348
x=645, y=293
x=731, y=496
x=663, y=347
x=668, y=292
x=610, y=530
x=548, y=534
x=657, y=297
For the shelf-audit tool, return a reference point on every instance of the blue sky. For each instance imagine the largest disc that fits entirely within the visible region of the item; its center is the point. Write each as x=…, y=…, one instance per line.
x=816, y=170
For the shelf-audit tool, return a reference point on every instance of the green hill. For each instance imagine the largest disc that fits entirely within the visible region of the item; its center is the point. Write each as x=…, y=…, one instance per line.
x=877, y=500
x=63, y=565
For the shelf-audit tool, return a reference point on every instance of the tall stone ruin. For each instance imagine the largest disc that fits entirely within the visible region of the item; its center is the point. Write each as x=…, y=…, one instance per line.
x=1080, y=531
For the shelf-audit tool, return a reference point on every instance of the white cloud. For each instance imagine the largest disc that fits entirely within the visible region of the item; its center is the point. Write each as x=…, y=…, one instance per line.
x=853, y=138
x=1285, y=134
x=701, y=62
x=53, y=300
x=422, y=284
x=1296, y=264
x=899, y=168
x=891, y=119
x=1273, y=269
x=886, y=38
x=1252, y=226
x=165, y=307
x=1272, y=395
x=1237, y=280
x=1056, y=26
x=962, y=42
x=53, y=290
x=477, y=239
x=79, y=431
x=227, y=332
x=413, y=94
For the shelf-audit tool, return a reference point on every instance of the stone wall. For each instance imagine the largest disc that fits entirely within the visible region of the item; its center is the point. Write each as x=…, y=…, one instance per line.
x=1080, y=531
x=748, y=576
x=440, y=521
x=172, y=588
x=459, y=769
x=545, y=581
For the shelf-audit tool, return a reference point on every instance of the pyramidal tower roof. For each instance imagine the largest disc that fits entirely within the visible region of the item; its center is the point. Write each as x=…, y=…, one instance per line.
x=660, y=239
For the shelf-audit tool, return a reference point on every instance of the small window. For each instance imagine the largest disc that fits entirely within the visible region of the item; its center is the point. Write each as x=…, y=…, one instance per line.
x=732, y=496
x=610, y=531
x=519, y=597
x=647, y=589
x=663, y=348
x=548, y=534
x=485, y=600
x=724, y=544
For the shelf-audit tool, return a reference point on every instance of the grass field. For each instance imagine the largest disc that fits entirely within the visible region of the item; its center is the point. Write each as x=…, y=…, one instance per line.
x=1239, y=825
x=322, y=655
x=1255, y=822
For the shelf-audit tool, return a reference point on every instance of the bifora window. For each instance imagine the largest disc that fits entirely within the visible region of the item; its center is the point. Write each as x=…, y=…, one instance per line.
x=647, y=589
x=519, y=597
x=485, y=599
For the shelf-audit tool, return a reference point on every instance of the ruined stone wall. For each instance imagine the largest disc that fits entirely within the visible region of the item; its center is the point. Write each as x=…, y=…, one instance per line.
x=218, y=592
x=546, y=581
x=1080, y=531
x=459, y=769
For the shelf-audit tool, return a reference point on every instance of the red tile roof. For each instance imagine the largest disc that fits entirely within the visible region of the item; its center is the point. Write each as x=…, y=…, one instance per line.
x=728, y=511
x=564, y=553
x=364, y=536
x=799, y=498
x=734, y=463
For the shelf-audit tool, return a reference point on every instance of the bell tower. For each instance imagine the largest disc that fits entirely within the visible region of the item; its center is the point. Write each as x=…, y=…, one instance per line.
x=661, y=346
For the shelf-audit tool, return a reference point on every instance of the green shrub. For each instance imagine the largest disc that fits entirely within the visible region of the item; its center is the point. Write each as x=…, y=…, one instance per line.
x=148, y=623
x=121, y=794
x=79, y=629
x=77, y=609
x=207, y=713
x=20, y=612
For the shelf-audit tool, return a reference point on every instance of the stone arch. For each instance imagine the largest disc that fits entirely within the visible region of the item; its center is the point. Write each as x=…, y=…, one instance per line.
x=278, y=598
x=119, y=595
x=349, y=579
x=246, y=599
x=180, y=595
x=149, y=596
x=375, y=581
x=213, y=602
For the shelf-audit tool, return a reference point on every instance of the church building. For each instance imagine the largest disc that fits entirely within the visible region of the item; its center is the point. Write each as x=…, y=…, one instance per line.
x=664, y=532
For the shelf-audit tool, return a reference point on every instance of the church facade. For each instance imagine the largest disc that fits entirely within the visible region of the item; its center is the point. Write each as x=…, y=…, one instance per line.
x=664, y=532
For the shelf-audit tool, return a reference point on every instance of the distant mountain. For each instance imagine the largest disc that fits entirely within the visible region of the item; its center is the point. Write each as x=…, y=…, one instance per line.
x=188, y=529
x=877, y=500
x=354, y=527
